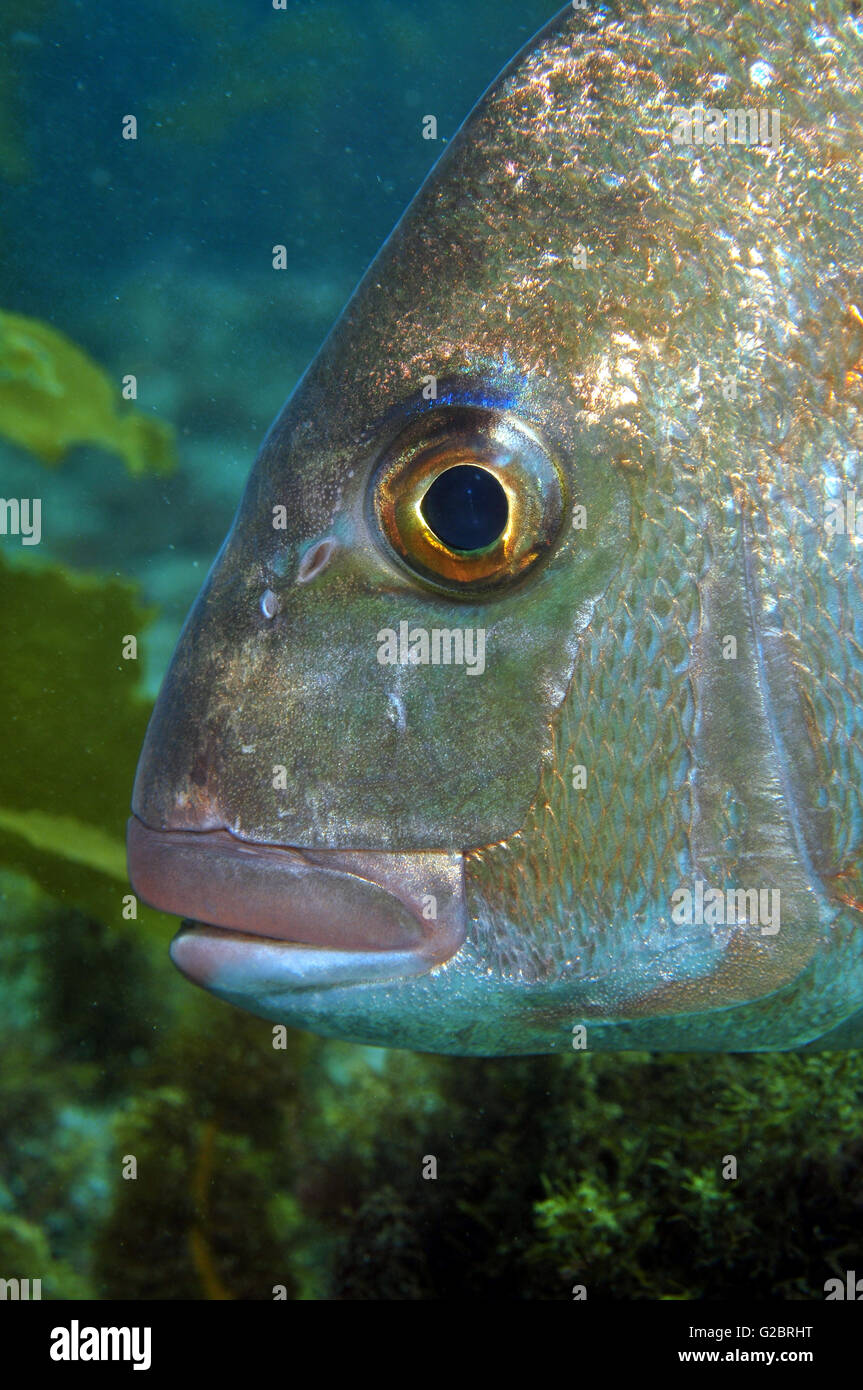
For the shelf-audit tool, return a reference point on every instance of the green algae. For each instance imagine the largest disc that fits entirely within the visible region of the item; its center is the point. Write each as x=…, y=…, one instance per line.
x=24, y=1247
x=74, y=718
x=210, y=1129
x=606, y=1172
x=53, y=396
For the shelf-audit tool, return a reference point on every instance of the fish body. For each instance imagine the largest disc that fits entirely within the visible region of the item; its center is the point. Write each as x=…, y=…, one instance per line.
x=521, y=709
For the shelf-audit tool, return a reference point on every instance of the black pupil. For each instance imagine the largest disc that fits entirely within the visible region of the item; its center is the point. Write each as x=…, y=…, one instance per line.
x=466, y=507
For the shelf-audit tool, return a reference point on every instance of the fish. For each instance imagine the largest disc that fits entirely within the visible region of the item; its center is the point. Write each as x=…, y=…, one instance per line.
x=521, y=709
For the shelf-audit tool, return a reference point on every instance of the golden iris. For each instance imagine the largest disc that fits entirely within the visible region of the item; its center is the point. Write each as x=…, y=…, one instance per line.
x=468, y=497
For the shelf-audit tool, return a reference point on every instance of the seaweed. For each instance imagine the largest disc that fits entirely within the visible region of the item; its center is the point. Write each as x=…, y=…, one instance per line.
x=54, y=1142
x=606, y=1172
x=24, y=1247
x=210, y=1130
x=646, y=1210
x=53, y=396
x=74, y=719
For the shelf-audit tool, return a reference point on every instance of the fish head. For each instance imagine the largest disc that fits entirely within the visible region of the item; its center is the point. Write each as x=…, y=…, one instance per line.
x=526, y=626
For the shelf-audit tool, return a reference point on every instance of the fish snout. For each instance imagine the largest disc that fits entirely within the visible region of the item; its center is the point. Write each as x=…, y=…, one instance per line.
x=269, y=919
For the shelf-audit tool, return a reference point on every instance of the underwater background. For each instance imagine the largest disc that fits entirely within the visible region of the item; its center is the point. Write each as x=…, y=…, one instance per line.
x=302, y=1166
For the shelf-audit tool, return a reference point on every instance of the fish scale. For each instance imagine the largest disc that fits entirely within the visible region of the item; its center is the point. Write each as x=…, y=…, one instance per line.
x=581, y=849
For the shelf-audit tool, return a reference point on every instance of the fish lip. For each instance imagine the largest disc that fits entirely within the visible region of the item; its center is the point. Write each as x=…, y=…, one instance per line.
x=332, y=915
x=245, y=969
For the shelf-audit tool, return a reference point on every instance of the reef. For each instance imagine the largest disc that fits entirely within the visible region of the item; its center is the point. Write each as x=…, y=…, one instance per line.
x=156, y=1144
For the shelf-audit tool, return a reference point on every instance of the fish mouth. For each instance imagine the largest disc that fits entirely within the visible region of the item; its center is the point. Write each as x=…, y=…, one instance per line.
x=272, y=917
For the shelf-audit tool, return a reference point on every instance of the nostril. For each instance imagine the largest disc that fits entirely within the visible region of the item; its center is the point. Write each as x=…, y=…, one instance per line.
x=269, y=604
x=316, y=559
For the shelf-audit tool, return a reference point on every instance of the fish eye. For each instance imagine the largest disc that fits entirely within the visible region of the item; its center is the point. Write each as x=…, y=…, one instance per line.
x=468, y=497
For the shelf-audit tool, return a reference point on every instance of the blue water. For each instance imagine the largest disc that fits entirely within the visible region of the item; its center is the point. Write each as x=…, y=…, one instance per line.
x=256, y=127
